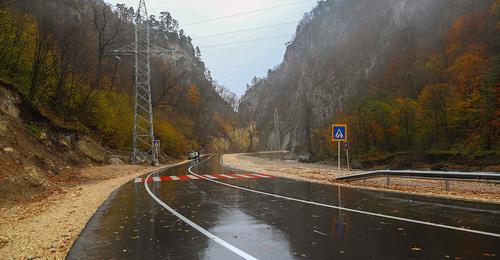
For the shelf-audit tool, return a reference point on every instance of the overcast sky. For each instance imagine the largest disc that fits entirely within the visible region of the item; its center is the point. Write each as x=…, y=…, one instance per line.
x=234, y=65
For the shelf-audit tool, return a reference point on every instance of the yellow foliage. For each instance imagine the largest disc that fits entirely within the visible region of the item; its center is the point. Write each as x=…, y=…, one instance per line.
x=172, y=141
x=113, y=116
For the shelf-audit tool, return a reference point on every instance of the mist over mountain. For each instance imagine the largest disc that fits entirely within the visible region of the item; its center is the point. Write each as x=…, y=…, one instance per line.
x=347, y=52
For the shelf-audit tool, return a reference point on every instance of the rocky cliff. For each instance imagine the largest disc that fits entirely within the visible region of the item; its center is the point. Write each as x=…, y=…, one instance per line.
x=341, y=49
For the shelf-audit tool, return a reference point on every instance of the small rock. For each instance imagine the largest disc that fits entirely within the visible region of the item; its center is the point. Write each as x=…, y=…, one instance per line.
x=62, y=142
x=115, y=161
x=91, y=149
x=9, y=103
x=8, y=149
x=43, y=136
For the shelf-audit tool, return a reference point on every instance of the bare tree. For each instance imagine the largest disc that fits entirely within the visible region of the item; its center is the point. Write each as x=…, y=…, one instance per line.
x=44, y=43
x=252, y=133
x=69, y=39
x=109, y=29
x=165, y=82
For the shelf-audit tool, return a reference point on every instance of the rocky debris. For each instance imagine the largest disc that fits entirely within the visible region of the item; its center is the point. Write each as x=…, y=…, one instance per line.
x=35, y=176
x=9, y=103
x=115, y=161
x=91, y=149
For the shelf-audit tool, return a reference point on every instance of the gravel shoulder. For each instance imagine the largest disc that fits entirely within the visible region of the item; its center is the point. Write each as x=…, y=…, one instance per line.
x=292, y=169
x=47, y=227
x=461, y=190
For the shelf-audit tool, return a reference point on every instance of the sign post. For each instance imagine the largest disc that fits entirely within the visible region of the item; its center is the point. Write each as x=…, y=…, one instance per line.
x=339, y=134
x=346, y=147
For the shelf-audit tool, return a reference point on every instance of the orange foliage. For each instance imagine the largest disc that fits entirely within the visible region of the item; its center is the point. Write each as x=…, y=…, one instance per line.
x=193, y=95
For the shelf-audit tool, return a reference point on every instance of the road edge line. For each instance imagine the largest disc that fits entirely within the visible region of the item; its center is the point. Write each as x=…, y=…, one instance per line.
x=196, y=226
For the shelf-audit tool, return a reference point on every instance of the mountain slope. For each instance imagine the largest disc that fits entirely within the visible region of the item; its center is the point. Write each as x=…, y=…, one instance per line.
x=59, y=53
x=344, y=51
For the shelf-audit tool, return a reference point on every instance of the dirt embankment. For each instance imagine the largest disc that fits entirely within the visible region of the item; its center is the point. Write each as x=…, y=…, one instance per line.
x=49, y=180
x=47, y=227
x=37, y=151
x=463, y=190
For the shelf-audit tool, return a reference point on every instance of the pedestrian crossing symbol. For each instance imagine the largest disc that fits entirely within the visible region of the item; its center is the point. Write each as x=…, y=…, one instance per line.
x=339, y=133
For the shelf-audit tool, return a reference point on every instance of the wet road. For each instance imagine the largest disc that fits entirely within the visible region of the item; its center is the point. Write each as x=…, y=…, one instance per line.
x=237, y=215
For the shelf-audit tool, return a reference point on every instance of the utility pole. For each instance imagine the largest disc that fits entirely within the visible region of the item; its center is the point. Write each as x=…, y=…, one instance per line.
x=277, y=139
x=142, y=50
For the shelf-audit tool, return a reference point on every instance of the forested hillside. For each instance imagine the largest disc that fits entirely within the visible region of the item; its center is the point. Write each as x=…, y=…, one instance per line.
x=406, y=76
x=58, y=53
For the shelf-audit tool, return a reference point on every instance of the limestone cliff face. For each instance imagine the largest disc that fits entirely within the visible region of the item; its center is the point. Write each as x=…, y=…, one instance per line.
x=340, y=49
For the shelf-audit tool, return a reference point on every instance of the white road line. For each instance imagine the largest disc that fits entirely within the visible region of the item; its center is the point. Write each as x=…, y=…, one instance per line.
x=156, y=179
x=174, y=178
x=210, y=176
x=197, y=227
x=243, y=175
x=138, y=180
x=259, y=175
x=192, y=177
x=353, y=210
x=227, y=176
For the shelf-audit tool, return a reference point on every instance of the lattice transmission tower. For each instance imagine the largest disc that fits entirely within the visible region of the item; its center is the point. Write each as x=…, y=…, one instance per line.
x=144, y=143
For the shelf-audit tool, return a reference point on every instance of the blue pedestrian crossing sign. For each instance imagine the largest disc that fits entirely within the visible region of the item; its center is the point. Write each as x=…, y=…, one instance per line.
x=339, y=133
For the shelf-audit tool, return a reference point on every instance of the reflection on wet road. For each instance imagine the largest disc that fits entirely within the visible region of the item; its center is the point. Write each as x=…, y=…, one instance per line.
x=131, y=224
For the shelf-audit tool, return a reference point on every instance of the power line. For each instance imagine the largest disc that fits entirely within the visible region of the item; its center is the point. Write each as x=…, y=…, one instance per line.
x=240, y=42
x=244, y=30
x=247, y=12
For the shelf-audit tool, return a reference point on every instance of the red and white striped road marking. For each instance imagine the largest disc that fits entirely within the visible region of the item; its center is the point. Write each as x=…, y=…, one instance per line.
x=213, y=176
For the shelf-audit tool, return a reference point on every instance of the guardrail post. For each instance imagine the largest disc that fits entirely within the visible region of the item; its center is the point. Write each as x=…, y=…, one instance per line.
x=447, y=184
x=388, y=180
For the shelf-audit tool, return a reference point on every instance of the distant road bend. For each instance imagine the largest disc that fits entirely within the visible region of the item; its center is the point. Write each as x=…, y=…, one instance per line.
x=204, y=210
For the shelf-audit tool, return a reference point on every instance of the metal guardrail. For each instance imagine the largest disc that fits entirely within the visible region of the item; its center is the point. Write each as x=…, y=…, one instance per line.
x=485, y=176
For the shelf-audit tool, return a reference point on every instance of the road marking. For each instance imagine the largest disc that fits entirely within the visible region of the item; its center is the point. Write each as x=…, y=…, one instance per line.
x=192, y=177
x=242, y=175
x=196, y=226
x=352, y=210
x=259, y=175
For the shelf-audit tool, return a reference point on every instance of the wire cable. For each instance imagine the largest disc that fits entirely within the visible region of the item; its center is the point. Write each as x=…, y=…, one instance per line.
x=247, y=12
x=244, y=30
x=240, y=42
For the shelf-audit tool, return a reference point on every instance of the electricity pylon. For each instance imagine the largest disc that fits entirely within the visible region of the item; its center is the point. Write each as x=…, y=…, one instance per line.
x=143, y=136
x=277, y=139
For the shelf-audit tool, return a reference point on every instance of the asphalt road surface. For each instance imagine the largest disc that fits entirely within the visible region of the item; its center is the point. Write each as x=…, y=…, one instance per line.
x=202, y=210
